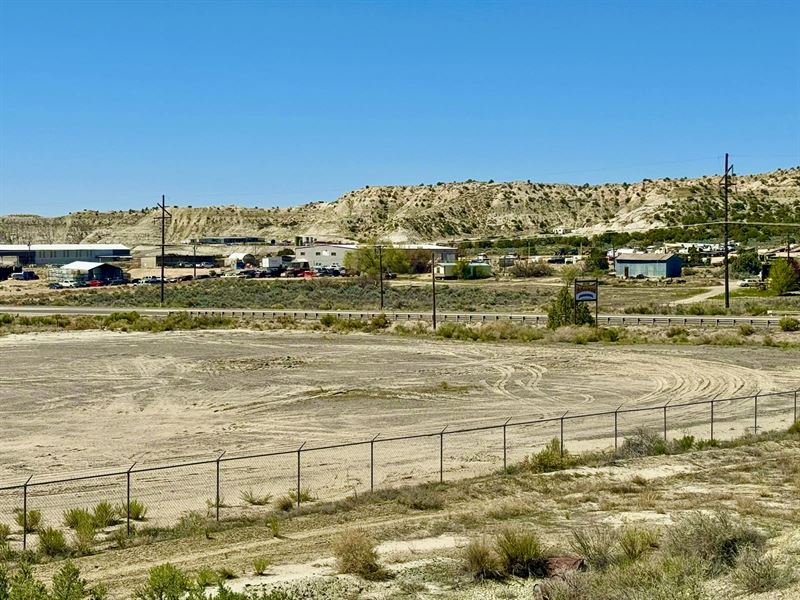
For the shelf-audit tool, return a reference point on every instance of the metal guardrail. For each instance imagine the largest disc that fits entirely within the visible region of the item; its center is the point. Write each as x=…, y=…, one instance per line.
x=458, y=317
x=532, y=319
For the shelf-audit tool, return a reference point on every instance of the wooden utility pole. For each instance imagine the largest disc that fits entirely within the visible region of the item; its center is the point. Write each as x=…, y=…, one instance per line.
x=165, y=215
x=726, y=184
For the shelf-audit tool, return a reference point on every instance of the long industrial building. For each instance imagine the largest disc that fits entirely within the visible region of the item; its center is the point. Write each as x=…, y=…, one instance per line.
x=61, y=254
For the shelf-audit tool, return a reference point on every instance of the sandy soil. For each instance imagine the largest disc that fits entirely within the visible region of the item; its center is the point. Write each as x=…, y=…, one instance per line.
x=83, y=402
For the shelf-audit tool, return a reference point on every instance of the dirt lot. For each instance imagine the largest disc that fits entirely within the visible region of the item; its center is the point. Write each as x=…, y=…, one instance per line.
x=73, y=401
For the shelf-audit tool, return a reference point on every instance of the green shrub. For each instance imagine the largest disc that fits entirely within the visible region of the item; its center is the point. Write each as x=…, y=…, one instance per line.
x=84, y=537
x=481, y=561
x=250, y=497
x=274, y=524
x=104, y=515
x=5, y=531
x=192, y=523
x=164, y=582
x=73, y=517
x=206, y=578
x=756, y=572
x=52, y=541
x=355, y=554
x=746, y=330
x=642, y=443
x=305, y=495
x=547, y=459
x=635, y=542
x=712, y=539
x=595, y=545
x=521, y=553
x=327, y=320
x=789, y=324
x=35, y=520
x=68, y=584
x=226, y=573
x=260, y=566
x=121, y=537
x=795, y=428
x=136, y=510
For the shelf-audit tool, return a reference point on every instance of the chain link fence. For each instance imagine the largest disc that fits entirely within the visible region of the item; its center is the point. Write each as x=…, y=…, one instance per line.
x=230, y=487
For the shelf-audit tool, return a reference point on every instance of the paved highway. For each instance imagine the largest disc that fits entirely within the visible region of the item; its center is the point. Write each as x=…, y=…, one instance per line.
x=533, y=319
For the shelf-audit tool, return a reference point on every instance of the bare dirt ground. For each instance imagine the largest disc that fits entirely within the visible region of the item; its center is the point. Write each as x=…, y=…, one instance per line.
x=88, y=400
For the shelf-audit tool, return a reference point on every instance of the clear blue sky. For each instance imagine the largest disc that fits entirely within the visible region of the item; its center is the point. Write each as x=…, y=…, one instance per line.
x=110, y=104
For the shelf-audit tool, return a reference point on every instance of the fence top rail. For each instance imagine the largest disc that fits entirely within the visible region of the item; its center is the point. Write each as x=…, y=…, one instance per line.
x=438, y=432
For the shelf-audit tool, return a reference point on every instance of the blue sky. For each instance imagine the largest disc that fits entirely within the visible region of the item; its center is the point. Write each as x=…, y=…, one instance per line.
x=110, y=104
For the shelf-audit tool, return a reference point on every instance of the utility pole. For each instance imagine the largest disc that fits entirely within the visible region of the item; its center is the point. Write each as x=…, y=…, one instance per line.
x=380, y=271
x=433, y=282
x=726, y=183
x=194, y=260
x=165, y=215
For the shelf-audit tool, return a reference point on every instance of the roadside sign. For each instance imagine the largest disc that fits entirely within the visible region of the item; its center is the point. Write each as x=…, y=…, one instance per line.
x=586, y=290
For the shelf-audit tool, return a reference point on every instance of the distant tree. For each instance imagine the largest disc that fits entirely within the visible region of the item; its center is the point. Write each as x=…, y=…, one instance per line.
x=563, y=310
x=365, y=260
x=286, y=252
x=596, y=261
x=746, y=263
x=782, y=277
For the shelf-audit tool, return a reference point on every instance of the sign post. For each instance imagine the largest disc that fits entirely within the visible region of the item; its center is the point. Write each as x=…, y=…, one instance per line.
x=586, y=290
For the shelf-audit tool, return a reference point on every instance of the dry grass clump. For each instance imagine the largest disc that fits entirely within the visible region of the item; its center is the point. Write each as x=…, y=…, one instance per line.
x=715, y=539
x=424, y=497
x=481, y=560
x=355, y=554
x=597, y=546
x=250, y=497
x=756, y=572
x=521, y=553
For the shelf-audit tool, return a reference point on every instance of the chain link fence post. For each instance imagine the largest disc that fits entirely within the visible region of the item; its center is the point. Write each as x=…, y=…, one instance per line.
x=217, y=503
x=616, y=431
x=25, y=513
x=372, y=463
x=128, y=500
x=505, y=447
x=561, y=436
x=795, y=406
x=299, y=450
x=665, y=421
x=441, y=455
x=755, y=414
x=712, y=420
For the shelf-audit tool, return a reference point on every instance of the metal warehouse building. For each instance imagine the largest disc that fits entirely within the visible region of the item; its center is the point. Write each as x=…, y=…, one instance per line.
x=61, y=254
x=627, y=266
x=86, y=271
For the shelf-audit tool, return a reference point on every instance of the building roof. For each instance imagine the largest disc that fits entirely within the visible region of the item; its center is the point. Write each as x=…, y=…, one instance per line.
x=320, y=244
x=82, y=265
x=657, y=257
x=26, y=247
x=423, y=247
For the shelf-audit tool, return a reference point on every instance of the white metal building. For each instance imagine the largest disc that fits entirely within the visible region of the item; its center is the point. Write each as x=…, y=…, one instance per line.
x=61, y=254
x=324, y=255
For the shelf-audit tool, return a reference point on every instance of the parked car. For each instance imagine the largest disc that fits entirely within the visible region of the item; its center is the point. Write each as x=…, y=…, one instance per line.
x=749, y=283
x=117, y=281
x=390, y=274
x=96, y=283
x=24, y=276
x=205, y=265
x=56, y=285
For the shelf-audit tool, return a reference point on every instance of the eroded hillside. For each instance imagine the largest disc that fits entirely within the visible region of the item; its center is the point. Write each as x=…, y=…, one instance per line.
x=470, y=209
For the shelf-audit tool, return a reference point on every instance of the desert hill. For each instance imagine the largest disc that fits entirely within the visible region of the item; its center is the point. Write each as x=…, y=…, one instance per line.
x=443, y=211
